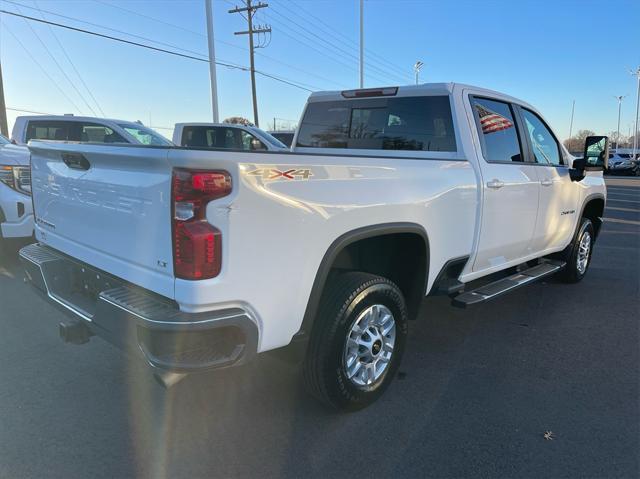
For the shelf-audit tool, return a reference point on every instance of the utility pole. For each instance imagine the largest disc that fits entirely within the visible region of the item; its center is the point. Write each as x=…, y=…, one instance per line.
x=619, y=98
x=361, y=43
x=4, y=127
x=635, y=131
x=208, y=4
x=251, y=10
x=573, y=108
x=416, y=68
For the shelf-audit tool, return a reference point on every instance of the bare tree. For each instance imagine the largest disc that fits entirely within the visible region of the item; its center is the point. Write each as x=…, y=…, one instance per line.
x=238, y=120
x=576, y=142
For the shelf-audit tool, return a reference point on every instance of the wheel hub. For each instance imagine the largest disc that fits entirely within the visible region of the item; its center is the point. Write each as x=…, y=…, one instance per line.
x=584, y=250
x=369, y=345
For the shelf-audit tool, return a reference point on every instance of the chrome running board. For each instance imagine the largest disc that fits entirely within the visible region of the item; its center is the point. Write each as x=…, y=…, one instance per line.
x=508, y=284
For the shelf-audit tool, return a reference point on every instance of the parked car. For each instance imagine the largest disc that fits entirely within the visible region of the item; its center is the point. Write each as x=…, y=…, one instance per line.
x=84, y=129
x=15, y=210
x=199, y=259
x=228, y=136
x=285, y=136
x=622, y=162
x=16, y=213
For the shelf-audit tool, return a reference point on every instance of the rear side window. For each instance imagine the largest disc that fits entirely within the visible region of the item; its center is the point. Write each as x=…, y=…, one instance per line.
x=407, y=123
x=497, y=130
x=285, y=138
x=85, y=132
x=216, y=137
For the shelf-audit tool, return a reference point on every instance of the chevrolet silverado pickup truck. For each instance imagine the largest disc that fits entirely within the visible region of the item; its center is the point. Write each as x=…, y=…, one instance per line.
x=197, y=258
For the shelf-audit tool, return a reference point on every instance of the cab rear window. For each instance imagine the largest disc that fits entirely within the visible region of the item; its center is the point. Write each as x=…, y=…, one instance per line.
x=408, y=123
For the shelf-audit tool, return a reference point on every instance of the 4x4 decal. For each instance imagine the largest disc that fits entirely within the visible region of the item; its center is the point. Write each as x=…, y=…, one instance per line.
x=271, y=174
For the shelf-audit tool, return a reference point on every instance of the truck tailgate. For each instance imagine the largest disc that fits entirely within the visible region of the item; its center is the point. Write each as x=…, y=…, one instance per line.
x=107, y=206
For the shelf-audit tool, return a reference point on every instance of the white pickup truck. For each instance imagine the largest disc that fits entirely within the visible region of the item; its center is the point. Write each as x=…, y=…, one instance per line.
x=199, y=259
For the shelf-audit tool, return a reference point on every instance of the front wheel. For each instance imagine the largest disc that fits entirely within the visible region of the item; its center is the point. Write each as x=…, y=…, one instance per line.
x=578, y=256
x=357, y=341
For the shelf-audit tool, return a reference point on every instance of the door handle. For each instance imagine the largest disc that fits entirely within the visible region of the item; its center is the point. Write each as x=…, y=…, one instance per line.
x=546, y=182
x=495, y=184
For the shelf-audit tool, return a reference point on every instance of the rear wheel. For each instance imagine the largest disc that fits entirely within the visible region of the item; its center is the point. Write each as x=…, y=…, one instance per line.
x=357, y=341
x=578, y=256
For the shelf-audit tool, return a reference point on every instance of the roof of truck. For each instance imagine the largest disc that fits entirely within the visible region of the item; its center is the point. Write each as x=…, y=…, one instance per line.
x=74, y=118
x=416, y=90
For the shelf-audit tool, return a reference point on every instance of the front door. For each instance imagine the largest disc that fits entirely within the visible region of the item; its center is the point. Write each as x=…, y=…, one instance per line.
x=510, y=187
x=559, y=196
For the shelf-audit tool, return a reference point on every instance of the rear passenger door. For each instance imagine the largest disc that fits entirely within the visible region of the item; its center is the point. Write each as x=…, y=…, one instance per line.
x=510, y=186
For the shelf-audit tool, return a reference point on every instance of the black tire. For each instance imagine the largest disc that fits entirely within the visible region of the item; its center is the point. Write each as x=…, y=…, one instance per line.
x=572, y=273
x=347, y=297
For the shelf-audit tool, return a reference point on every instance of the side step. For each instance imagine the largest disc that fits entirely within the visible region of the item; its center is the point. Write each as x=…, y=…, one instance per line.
x=505, y=285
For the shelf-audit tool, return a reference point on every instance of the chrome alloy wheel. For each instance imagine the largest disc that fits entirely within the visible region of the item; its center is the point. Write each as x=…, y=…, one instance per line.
x=369, y=345
x=584, y=249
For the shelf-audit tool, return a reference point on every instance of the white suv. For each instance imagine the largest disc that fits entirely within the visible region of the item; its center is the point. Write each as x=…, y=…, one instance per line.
x=16, y=212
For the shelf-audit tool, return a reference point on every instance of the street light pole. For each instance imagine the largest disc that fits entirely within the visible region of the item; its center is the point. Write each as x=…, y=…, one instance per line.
x=573, y=108
x=361, y=43
x=212, y=62
x=619, y=98
x=416, y=68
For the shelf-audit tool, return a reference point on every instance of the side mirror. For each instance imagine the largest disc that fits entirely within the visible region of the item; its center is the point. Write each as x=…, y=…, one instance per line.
x=596, y=153
x=594, y=158
x=257, y=145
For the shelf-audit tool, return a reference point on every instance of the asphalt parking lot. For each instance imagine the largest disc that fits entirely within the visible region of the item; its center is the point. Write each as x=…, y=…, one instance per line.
x=477, y=391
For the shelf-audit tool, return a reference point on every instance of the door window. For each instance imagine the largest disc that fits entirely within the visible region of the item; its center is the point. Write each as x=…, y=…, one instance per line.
x=72, y=131
x=545, y=147
x=497, y=131
x=247, y=140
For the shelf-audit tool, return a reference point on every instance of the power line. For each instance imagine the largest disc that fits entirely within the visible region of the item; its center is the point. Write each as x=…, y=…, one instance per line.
x=288, y=65
x=62, y=70
x=157, y=49
x=41, y=67
x=133, y=12
x=107, y=28
x=321, y=52
x=160, y=43
x=70, y=61
x=329, y=29
x=300, y=32
x=389, y=75
x=20, y=110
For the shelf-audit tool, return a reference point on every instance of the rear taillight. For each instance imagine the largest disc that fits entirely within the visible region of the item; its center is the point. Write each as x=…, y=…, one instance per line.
x=197, y=245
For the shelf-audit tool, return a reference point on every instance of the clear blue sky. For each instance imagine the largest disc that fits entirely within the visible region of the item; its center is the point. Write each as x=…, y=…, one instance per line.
x=545, y=52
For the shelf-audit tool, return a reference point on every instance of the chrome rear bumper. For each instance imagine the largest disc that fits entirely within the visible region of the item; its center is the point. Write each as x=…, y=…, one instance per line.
x=137, y=320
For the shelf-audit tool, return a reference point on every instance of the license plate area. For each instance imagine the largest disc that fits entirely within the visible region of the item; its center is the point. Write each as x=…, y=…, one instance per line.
x=77, y=286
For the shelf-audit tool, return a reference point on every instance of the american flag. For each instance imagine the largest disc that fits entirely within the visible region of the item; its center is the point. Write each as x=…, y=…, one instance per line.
x=492, y=122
